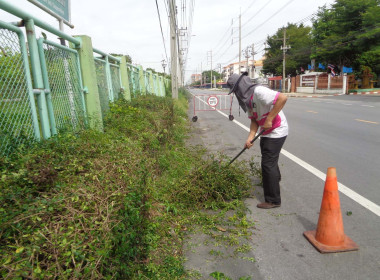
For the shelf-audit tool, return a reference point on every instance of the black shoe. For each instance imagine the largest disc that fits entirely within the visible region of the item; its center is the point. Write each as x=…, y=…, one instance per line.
x=267, y=205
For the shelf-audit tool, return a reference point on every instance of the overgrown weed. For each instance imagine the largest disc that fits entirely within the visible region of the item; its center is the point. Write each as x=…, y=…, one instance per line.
x=114, y=205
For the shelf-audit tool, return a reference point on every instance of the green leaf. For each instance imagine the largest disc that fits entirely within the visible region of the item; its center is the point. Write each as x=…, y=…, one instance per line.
x=37, y=270
x=19, y=250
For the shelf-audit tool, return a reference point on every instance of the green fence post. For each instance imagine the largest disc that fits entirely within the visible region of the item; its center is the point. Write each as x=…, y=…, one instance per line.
x=86, y=59
x=45, y=78
x=109, y=80
x=125, y=79
x=151, y=82
x=141, y=80
x=153, y=79
x=37, y=78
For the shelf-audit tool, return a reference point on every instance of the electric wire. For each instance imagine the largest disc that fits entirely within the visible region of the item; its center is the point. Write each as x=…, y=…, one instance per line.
x=269, y=18
x=263, y=41
x=266, y=4
x=253, y=2
x=162, y=33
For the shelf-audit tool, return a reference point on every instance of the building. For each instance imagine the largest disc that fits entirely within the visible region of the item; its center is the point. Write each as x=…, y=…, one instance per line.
x=254, y=68
x=195, y=78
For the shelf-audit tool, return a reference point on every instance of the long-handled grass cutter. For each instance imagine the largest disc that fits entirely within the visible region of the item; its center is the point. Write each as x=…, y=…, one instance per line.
x=242, y=151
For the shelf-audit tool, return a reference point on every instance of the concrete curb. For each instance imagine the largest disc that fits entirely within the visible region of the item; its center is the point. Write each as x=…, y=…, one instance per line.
x=364, y=92
x=312, y=96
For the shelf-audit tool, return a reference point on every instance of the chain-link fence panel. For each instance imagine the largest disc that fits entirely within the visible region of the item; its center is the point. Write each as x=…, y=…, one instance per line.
x=63, y=73
x=16, y=120
x=115, y=78
x=101, y=77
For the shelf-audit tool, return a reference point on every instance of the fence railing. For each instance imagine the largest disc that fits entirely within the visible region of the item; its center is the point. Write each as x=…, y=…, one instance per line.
x=320, y=83
x=46, y=87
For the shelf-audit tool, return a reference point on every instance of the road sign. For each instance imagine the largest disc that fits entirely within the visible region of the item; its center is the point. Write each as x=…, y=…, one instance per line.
x=212, y=101
x=59, y=9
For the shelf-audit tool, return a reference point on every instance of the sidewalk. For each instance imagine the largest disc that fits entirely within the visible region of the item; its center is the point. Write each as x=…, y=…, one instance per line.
x=313, y=95
x=375, y=91
x=365, y=91
x=358, y=92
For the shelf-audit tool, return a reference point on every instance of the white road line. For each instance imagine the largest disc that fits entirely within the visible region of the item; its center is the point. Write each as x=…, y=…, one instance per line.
x=342, y=188
x=373, y=207
x=346, y=104
x=367, y=106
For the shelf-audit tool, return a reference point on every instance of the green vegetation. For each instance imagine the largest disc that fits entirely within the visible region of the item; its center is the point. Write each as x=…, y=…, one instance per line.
x=298, y=56
x=345, y=34
x=348, y=34
x=207, y=76
x=221, y=276
x=116, y=205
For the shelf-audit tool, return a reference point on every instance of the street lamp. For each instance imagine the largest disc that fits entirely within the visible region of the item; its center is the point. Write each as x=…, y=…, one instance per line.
x=164, y=64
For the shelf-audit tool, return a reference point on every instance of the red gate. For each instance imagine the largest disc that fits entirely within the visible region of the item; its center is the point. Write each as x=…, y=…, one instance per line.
x=212, y=102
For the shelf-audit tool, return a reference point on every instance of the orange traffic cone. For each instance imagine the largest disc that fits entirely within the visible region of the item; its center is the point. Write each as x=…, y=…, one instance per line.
x=329, y=236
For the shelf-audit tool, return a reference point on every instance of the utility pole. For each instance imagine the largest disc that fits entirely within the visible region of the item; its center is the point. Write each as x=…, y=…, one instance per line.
x=247, y=55
x=284, y=48
x=163, y=63
x=239, y=41
x=182, y=34
x=173, y=48
x=248, y=52
x=253, y=60
x=201, y=75
x=209, y=55
x=211, y=70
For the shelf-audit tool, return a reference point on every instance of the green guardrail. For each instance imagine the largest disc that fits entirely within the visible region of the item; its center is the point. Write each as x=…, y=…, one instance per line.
x=46, y=87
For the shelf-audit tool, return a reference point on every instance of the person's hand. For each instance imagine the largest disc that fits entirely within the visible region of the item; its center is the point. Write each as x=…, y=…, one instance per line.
x=268, y=124
x=248, y=143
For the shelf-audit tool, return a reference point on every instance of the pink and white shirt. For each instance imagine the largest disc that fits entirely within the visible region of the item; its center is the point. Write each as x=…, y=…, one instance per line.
x=261, y=104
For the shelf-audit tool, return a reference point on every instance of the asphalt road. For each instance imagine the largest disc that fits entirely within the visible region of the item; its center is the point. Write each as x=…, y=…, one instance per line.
x=343, y=132
x=339, y=131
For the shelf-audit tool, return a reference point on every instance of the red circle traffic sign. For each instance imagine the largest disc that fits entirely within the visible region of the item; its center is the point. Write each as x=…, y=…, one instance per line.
x=212, y=101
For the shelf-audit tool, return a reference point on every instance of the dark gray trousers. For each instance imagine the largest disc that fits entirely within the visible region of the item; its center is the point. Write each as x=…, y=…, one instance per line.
x=270, y=152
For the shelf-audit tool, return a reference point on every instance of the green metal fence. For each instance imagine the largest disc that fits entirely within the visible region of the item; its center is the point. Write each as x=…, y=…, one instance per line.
x=148, y=84
x=62, y=78
x=46, y=87
x=133, y=73
x=115, y=80
x=101, y=77
x=18, y=116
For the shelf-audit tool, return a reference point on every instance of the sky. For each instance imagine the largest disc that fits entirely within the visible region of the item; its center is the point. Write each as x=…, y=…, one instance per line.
x=132, y=27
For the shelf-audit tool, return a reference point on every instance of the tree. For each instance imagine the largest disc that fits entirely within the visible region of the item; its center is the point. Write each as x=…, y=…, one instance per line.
x=206, y=75
x=299, y=38
x=348, y=34
x=127, y=57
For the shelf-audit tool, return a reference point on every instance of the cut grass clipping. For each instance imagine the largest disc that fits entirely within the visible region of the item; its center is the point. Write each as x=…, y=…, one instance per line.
x=112, y=205
x=212, y=182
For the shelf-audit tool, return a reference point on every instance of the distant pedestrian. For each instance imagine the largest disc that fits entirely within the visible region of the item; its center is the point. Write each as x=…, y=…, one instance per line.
x=264, y=108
